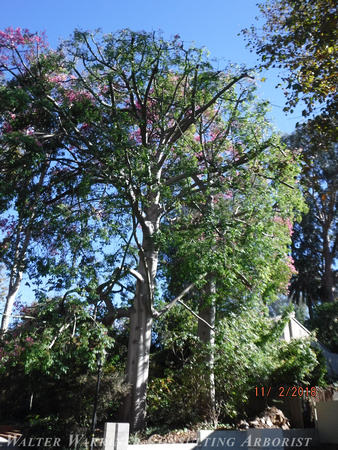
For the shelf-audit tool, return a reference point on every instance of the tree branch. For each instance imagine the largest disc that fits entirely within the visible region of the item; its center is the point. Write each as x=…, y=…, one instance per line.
x=157, y=314
x=196, y=315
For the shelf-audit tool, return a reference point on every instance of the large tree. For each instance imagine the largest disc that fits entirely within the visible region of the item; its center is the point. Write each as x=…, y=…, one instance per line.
x=315, y=240
x=146, y=131
x=25, y=161
x=300, y=37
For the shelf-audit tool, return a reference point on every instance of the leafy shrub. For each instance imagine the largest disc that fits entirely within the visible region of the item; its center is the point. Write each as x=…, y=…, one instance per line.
x=48, y=370
x=248, y=353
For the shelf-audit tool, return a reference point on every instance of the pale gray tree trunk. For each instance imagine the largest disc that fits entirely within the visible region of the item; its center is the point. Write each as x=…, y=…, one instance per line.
x=141, y=319
x=206, y=333
x=328, y=277
x=16, y=275
x=23, y=237
x=137, y=370
x=13, y=289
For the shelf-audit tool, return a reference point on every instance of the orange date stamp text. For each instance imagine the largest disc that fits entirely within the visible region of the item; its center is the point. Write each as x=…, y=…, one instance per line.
x=286, y=391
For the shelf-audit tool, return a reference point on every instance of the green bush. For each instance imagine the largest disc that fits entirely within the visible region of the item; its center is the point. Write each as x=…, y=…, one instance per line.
x=48, y=370
x=248, y=353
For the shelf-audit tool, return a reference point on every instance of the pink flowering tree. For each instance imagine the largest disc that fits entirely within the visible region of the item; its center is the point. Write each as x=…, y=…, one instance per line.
x=25, y=158
x=35, y=174
x=239, y=236
x=146, y=135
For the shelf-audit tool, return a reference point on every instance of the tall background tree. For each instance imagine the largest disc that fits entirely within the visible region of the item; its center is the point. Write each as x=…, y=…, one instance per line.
x=315, y=238
x=300, y=39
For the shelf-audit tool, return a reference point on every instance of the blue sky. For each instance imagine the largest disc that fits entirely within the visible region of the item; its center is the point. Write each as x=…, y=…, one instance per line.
x=213, y=24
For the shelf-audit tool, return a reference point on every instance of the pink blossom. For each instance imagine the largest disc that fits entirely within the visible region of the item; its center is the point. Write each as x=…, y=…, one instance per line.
x=289, y=225
x=74, y=96
x=29, y=341
x=290, y=263
x=84, y=126
x=281, y=221
x=278, y=219
x=104, y=89
x=7, y=128
x=11, y=40
x=58, y=78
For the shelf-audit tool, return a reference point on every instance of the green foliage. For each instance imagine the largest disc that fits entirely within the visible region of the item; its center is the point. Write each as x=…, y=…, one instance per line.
x=51, y=353
x=248, y=353
x=248, y=230
x=301, y=38
x=72, y=334
x=324, y=322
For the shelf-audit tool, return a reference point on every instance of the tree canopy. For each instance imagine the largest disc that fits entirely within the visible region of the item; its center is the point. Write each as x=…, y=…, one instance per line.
x=124, y=140
x=300, y=38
